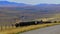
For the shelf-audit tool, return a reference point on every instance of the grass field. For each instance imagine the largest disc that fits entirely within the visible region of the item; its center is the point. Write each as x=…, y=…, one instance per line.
x=27, y=28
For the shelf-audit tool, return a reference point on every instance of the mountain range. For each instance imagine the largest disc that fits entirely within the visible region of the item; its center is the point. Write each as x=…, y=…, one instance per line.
x=14, y=4
x=7, y=3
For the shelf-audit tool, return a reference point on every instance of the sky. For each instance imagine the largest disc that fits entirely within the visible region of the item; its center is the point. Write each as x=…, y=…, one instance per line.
x=35, y=1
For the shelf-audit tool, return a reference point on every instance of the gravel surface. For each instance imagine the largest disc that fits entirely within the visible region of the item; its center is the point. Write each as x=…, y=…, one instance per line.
x=47, y=30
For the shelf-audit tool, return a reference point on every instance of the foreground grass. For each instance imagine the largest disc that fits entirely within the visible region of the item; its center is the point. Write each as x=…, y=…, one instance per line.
x=27, y=28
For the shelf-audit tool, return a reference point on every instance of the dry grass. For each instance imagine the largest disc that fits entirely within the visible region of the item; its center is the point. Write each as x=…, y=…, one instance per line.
x=27, y=28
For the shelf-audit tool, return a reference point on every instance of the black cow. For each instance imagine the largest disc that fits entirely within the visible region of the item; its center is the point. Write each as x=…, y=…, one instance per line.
x=17, y=25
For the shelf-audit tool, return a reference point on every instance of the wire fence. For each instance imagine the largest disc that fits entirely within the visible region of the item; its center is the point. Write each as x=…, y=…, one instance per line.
x=6, y=27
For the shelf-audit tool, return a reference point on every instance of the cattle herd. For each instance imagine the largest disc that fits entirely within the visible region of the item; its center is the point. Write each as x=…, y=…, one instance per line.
x=21, y=24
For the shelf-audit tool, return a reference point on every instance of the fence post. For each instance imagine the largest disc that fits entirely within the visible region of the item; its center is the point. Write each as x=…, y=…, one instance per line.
x=1, y=27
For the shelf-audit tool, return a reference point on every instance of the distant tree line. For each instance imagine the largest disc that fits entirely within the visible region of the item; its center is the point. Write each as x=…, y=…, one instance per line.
x=21, y=24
